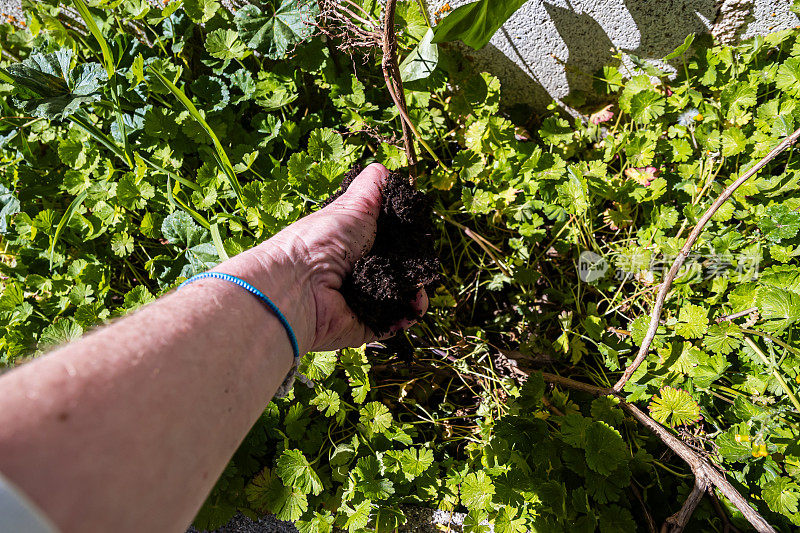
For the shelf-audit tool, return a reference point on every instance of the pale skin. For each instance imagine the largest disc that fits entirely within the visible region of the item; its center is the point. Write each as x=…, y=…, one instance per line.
x=129, y=428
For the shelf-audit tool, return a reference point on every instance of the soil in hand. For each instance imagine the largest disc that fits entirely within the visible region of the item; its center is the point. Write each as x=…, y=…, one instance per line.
x=384, y=283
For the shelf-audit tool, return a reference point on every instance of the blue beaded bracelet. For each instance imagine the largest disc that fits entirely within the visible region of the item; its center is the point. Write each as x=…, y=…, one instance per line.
x=261, y=296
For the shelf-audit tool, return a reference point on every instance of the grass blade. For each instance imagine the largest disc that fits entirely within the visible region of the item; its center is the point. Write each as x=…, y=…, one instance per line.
x=64, y=221
x=215, y=236
x=223, y=161
x=108, y=59
x=108, y=63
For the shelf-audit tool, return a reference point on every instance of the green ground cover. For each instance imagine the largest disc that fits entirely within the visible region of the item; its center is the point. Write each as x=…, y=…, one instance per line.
x=152, y=143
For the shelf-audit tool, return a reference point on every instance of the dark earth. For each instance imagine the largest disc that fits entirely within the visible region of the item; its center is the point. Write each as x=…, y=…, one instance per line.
x=383, y=286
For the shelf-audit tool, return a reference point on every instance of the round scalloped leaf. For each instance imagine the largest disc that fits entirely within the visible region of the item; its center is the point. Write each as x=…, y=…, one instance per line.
x=674, y=407
x=275, y=34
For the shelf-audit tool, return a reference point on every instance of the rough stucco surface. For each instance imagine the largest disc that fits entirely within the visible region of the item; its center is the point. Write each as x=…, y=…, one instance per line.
x=545, y=49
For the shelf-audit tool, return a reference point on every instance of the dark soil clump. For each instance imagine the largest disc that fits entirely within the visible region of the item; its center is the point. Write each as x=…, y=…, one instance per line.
x=384, y=283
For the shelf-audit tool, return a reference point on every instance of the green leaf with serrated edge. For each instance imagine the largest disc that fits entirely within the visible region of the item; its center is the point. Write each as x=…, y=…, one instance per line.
x=275, y=34
x=294, y=470
x=477, y=490
x=788, y=76
x=779, y=222
x=375, y=417
x=50, y=89
x=674, y=407
x=200, y=10
x=318, y=365
x=266, y=492
x=327, y=401
x=358, y=516
x=225, y=44
x=605, y=449
x=782, y=495
x=692, y=321
x=61, y=332
x=371, y=481
x=320, y=522
x=723, y=338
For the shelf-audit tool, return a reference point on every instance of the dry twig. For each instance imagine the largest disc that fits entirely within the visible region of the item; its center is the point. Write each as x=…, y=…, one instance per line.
x=705, y=473
x=677, y=522
x=655, y=316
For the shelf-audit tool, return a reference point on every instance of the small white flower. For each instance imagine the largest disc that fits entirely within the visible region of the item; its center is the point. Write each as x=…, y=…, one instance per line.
x=688, y=117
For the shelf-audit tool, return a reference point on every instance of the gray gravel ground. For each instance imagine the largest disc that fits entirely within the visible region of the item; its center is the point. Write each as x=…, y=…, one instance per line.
x=242, y=524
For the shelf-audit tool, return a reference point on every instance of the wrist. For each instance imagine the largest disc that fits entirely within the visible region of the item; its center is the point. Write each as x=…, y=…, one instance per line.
x=273, y=271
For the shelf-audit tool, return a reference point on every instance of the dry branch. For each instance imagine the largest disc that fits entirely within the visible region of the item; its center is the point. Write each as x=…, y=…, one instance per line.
x=732, y=316
x=705, y=473
x=655, y=316
x=677, y=522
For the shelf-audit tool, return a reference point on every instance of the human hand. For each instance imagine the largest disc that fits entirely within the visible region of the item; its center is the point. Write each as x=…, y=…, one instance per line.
x=307, y=263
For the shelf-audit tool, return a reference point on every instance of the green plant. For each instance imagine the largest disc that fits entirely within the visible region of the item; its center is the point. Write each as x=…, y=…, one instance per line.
x=163, y=140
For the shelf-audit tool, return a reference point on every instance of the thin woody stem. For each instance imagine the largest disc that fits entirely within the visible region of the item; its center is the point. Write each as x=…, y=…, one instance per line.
x=701, y=468
x=677, y=522
x=391, y=75
x=728, y=318
x=684, y=253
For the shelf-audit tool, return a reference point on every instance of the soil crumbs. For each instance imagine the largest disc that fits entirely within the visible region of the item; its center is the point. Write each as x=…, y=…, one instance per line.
x=383, y=286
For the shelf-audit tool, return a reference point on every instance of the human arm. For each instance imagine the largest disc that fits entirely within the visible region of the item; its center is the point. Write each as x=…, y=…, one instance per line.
x=131, y=426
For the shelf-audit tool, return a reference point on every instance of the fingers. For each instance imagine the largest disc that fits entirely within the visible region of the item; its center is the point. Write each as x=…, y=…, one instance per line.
x=366, y=188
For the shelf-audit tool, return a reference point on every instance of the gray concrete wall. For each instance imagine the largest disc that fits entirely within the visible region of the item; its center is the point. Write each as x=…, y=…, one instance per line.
x=543, y=49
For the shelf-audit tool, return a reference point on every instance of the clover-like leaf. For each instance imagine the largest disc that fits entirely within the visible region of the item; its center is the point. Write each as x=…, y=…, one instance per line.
x=275, y=34
x=48, y=88
x=692, y=321
x=605, y=449
x=788, y=77
x=266, y=492
x=376, y=418
x=674, y=407
x=782, y=495
x=477, y=490
x=179, y=228
x=646, y=106
x=200, y=10
x=371, y=481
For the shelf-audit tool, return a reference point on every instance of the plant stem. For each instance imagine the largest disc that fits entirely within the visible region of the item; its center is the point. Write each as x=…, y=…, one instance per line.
x=775, y=372
x=394, y=82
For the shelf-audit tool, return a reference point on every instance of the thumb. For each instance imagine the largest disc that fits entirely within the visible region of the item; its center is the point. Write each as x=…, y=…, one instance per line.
x=364, y=191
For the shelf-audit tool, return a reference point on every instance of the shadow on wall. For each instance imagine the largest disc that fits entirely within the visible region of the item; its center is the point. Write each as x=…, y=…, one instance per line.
x=550, y=48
